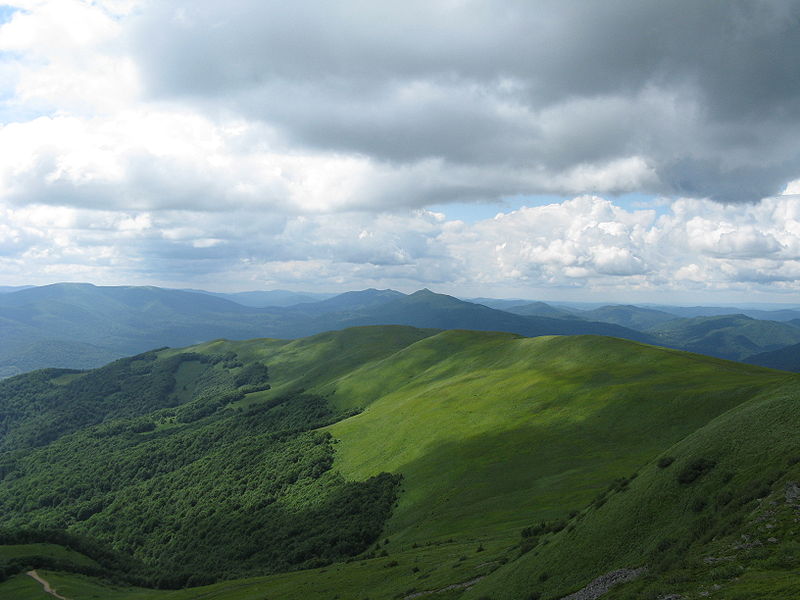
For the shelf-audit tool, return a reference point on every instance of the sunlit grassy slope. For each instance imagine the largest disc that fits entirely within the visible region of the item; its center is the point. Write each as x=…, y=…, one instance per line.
x=733, y=527
x=494, y=432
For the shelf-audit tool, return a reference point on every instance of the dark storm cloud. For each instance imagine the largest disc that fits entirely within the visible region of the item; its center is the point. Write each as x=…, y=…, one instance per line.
x=706, y=93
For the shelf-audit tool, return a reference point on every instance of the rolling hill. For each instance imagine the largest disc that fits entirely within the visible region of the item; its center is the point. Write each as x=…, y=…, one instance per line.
x=467, y=464
x=733, y=337
x=541, y=309
x=635, y=317
x=786, y=358
x=263, y=299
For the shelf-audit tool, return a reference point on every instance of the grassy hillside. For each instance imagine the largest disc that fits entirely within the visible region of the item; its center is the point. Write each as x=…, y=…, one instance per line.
x=694, y=527
x=492, y=433
x=534, y=426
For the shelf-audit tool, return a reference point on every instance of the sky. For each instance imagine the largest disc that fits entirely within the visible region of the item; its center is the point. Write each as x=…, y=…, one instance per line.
x=625, y=151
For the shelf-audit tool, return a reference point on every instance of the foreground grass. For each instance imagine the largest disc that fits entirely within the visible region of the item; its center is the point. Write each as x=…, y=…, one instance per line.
x=428, y=568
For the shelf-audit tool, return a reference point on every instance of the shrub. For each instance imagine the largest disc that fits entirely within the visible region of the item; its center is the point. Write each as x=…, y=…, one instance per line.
x=695, y=469
x=724, y=572
x=724, y=498
x=665, y=461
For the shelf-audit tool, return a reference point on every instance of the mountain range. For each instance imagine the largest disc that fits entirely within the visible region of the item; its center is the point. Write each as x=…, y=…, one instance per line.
x=84, y=326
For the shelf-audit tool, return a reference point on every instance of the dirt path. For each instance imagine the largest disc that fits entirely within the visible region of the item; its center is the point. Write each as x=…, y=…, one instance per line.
x=45, y=585
x=455, y=586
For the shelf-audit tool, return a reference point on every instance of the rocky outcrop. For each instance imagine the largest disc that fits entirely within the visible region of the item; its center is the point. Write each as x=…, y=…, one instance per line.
x=602, y=584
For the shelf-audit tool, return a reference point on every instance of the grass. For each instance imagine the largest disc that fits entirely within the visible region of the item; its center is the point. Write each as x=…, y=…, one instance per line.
x=752, y=446
x=492, y=433
x=53, y=551
x=427, y=568
x=22, y=587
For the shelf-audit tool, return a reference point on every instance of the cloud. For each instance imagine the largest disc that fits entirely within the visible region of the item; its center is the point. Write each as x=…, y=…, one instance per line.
x=285, y=143
x=701, y=93
x=318, y=106
x=588, y=243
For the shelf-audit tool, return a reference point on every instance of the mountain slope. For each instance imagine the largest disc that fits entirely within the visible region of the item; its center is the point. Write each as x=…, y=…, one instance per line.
x=264, y=299
x=634, y=317
x=491, y=432
x=349, y=302
x=428, y=309
x=786, y=358
x=541, y=309
x=727, y=336
x=772, y=314
x=726, y=490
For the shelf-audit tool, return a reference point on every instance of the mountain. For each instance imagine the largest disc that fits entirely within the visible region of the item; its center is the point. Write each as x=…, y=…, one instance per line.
x=634, y=317
x=6, y=289
x=428, y=309
x=542, y=309
x=94, y=324
x=786, y=358
x=90, y=325
x=84, y=326
x=349, y=302
x=726, y=336
x=498, y=303
x=263, y=299
x=390, y=461
x=74, y=325
x=765, y=314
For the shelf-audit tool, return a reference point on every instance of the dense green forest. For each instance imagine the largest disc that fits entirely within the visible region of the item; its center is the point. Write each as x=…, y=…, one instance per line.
x=199, y=490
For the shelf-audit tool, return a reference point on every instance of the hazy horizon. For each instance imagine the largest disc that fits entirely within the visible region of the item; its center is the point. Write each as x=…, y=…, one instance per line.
x=329, y=293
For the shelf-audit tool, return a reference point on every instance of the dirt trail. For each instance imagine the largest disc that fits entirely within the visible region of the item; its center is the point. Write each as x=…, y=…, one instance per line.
x=45, y=585
x=454, y=586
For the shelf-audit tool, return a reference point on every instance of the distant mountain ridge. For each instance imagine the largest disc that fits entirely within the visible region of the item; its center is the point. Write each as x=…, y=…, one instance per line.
x=786, y=358
x=734, y=337
x=95, y=324
x=79, y=325
x=263, y=299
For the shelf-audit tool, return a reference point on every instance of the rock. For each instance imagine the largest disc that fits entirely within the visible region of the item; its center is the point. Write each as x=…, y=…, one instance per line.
x=792, y=492
x=602, y=584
